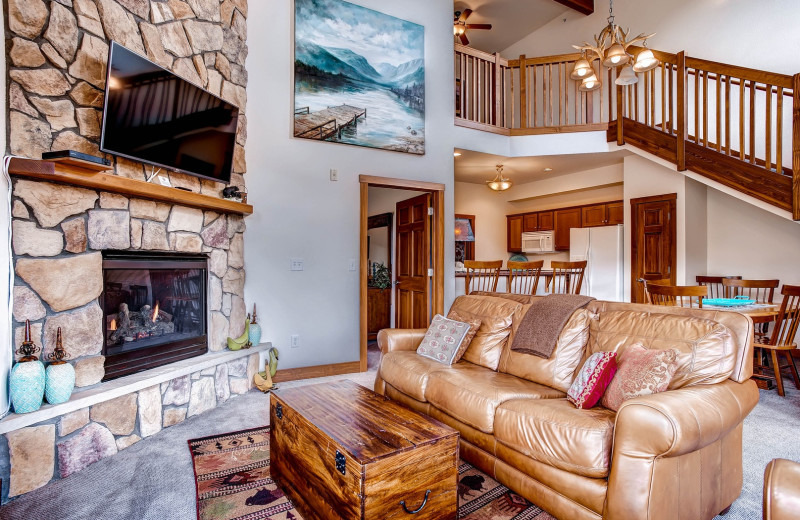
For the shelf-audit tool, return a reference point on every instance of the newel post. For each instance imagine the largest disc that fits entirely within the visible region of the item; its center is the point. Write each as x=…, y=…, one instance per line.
x=796, y=147
x=683, y=112
x=523, y=93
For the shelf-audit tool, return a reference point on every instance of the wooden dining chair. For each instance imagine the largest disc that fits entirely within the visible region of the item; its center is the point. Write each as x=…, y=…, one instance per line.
x=781, y=342
x=659, y=281
x=677, y=295
x=716, y=289
x=567, y=277
x=762, y=291
x=523, y=277
x=482, y=276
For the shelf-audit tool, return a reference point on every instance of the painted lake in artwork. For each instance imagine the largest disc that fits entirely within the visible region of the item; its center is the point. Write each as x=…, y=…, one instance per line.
x=359, y=77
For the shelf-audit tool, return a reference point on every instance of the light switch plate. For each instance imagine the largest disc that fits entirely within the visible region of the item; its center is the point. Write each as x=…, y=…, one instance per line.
x=334, y=175
x=296, y=264
x=352, y=264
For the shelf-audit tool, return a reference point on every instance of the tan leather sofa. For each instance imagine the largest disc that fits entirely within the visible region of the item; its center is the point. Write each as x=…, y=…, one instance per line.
x=677, y=454
x=782, y=490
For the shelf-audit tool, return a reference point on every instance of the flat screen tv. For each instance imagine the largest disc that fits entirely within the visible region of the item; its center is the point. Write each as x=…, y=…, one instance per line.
x=153, y=116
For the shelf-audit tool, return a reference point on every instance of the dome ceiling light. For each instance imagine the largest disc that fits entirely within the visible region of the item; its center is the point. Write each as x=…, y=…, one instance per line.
x=499, y=183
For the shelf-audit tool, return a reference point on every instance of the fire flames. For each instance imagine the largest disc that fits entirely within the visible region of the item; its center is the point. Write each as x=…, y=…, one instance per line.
x=155, y=313
x=113, y=325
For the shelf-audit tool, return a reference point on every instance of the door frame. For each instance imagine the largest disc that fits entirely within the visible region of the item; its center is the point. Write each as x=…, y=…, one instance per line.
x=437, y=235
x=672, y=198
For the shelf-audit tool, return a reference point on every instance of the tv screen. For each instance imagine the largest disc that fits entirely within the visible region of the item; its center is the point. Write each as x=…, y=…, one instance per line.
x=153, y=116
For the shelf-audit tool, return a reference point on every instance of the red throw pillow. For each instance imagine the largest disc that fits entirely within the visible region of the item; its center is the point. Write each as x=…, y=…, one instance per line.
x=641, y=372
x=593, y=379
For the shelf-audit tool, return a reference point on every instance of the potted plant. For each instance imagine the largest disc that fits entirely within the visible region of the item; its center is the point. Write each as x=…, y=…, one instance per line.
x=382, y=278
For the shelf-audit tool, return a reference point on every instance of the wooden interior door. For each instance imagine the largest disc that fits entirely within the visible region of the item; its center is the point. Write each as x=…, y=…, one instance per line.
x=412, y=285
x=653, y=242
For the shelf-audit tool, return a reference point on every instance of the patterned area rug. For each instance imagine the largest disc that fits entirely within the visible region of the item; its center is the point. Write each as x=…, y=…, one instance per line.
x=233, y=483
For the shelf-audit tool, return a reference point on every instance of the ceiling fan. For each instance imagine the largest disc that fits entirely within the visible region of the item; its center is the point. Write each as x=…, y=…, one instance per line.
x=460, y=25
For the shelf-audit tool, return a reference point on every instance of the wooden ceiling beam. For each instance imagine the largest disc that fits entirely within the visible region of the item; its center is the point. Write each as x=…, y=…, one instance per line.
x=582, y=6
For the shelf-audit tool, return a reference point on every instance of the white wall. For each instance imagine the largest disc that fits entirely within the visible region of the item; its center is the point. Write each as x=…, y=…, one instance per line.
x=300, y=213
x=490, y=208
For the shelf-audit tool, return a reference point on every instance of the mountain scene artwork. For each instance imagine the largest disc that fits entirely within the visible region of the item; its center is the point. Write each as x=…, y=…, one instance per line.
x=359, y=77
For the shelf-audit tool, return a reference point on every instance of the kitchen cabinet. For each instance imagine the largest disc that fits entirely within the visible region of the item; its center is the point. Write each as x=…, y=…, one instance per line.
x=514, y=233
x=608, y=214
x=546, y=221
x=565, y=219
x=530, y=222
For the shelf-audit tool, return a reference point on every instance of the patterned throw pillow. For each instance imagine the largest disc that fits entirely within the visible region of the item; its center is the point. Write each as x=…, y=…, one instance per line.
x=443, y=339
x=593, y=379
x=474, y=325
x=641, y=372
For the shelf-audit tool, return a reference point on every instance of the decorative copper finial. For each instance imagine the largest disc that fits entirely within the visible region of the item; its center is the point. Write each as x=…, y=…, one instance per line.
x=58, y=355
x=255, y=318
x=28, y=348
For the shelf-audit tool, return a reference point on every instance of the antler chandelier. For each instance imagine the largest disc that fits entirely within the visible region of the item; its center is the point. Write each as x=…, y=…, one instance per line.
x=611, y=49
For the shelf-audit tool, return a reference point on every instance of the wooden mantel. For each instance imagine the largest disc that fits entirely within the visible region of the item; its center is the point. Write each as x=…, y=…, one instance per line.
x=67, y=174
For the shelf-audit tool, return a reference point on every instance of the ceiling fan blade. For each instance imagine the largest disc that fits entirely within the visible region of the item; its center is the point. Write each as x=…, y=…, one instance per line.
x=479, y=26
x=464, y=15
x=464, y=40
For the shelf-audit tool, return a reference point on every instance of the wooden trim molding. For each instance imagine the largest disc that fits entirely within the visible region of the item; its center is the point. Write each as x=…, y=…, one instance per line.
x=67, y=174
x=400, y=184
x=293, y=374
x=582, y=6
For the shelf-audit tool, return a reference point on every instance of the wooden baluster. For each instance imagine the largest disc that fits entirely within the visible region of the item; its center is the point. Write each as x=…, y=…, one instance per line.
x=682, y=111
x=635, y=88
x=719, y=112
x=535, y=119
x=600, y=97
x=741, y=119
x=463, y=89
x=560, y=83
x=566, y=92
x=664, y=96
x=550, y=89
x=728, y=115
x=629, y=90
x=609, y=83
x=672, y=121
x=646, y=99
x=796, y=147
x=653, y=97
x=620, y=116
x=513, y=99
x=705, y=108
x=523, y=93
x=696, y=106
x=479, y=92
x=752, y=122
x=768, y=133
x=496, y=95
x=779, y=132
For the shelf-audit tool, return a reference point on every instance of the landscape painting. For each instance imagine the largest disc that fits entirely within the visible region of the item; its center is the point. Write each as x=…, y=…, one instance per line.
x=359, y=77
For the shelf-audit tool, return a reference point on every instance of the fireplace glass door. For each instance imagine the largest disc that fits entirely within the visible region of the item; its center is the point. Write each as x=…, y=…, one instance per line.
x=154, y=310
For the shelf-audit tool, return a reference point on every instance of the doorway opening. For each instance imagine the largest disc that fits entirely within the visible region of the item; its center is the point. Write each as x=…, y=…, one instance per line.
x=402, y=236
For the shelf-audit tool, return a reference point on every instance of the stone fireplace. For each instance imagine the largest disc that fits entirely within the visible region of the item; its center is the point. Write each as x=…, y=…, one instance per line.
x=154, y=310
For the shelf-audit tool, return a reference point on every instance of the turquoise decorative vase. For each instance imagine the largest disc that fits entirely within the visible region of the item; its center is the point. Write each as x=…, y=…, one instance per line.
x=255, y=333
x=26, y=386
x=60, y=382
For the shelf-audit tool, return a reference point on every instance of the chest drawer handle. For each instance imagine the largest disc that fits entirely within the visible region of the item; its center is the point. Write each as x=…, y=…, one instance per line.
x=279, y=411
x=415, y=511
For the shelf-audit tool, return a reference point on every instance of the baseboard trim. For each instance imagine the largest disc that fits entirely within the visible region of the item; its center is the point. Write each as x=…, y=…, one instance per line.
x=293, y=374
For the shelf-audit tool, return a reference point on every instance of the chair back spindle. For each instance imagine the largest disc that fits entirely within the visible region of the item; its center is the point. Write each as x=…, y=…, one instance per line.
x=762, y=291
x=716, y=288
x=567, y=277
x=677, y=295
x=523, y=277
x=482, y=276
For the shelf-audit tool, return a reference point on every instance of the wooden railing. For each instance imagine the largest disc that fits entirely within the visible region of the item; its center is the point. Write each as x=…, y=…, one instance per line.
x=734, y=125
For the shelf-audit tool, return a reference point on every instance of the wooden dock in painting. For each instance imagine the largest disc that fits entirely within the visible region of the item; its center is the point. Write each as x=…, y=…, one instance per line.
x=326, y=123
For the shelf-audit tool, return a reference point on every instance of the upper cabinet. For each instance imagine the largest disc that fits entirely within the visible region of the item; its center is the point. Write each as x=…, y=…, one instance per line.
x=514, y=233
x=530, y=222
x=565, y=219
x=608, y=214
x=546, y=221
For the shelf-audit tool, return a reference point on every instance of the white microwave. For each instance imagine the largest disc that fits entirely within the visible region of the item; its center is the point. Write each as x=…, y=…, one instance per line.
x=538, y=242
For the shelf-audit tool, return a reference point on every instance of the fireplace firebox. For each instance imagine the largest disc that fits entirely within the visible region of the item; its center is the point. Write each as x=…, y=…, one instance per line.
x=154, y=310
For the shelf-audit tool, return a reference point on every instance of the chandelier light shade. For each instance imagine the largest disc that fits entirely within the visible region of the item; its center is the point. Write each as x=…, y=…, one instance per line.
x=627, y=76
x=591, y=83
x=645, y=61
x=581, y=69
x=615, y=56
x=499, y=183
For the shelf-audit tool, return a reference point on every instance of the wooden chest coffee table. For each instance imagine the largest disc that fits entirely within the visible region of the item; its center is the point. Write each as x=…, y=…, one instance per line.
x=341, y=451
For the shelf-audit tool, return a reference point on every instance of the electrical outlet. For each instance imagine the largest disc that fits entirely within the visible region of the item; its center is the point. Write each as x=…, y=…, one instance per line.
x=352, y=264
x=334, y=175
x=295, y=341
x=296, y=264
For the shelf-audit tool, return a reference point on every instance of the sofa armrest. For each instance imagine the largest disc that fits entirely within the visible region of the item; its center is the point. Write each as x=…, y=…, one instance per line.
x=658, y=441
x=781, y=490
x=390, y=340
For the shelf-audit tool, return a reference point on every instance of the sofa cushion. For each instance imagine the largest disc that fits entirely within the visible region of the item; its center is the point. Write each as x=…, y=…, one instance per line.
x=592, y=380
x=408, y=372
x=445, y=338
x=641, y=372
x=554, y=432
x=559, y=370
x=706, y=352
x=497, y=316
x=471, y=393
